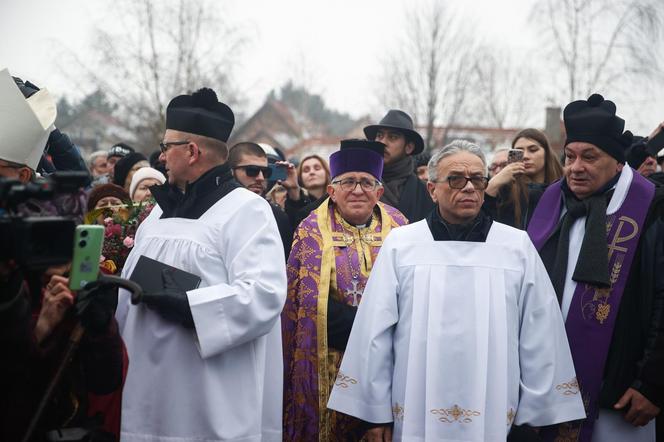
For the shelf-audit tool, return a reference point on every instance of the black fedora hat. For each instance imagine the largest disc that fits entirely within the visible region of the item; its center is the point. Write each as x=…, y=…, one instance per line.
x=401, y=121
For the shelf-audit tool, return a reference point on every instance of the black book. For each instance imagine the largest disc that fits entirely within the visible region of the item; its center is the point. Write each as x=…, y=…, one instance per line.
x=148, y=274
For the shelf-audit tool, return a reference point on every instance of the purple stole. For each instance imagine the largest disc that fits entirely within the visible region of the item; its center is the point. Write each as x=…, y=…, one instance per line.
x=592, y=313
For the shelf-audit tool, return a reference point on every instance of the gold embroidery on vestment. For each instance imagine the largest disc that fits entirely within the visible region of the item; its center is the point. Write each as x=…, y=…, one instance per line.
x=397, y=412
x=510, y=416
x=567, y=432
x=455, y=414
x=343, y=380
x=569, y=388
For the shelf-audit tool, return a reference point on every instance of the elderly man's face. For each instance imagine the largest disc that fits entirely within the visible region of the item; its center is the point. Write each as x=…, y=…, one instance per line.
x=355, y=203
x=458, y=206
x=498, y=162
x=99, y=166
x=588, y=168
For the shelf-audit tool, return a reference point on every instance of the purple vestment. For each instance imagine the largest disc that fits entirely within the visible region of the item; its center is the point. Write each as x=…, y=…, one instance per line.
x=593, y=310
x=329, y=258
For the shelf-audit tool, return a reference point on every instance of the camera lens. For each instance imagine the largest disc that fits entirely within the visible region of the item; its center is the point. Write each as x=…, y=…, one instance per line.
x=84, y=233
x=82, y=243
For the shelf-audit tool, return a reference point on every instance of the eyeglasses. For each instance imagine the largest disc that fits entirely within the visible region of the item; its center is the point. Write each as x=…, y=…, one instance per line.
x=460, y=181
x=349, y=184
x=253, y=171
x=164, y=146
x=495, y=166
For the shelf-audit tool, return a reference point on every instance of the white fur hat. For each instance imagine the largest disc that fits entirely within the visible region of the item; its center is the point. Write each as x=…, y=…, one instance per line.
x=142, y=174
x=24, y=124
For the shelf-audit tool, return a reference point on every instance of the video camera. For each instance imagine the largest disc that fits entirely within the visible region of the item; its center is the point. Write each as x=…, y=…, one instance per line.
x=33, y=242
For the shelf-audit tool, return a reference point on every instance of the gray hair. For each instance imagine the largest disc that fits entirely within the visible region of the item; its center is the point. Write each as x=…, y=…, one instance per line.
x=96, y=154
x=453, y=148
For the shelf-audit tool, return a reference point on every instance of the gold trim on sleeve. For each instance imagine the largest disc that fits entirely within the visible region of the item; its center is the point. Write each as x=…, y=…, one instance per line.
x=569, y=388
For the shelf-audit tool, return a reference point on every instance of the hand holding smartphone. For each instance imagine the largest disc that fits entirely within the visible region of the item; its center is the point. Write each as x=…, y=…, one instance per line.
x=88, y=241
x=279, y=172
x=514, y=155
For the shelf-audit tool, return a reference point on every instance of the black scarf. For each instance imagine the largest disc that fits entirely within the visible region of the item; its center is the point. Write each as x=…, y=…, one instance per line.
x=395, y=176
x=592, y=267
x=198, y=196
x=475, y=231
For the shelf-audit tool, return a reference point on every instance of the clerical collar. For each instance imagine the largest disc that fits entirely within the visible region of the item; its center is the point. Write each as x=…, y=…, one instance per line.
x=475, y=231
x=199, y=195
x=362, y=226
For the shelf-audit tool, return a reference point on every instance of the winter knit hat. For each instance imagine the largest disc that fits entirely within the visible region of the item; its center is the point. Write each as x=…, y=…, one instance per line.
x=142, y=174
x=124, y=165
x=105, y=190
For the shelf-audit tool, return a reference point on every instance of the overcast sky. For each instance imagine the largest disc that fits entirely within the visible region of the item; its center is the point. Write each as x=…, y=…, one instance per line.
x=334, y=47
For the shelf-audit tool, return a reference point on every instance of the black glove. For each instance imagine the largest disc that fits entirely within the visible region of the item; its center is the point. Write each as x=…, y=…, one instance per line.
x=171, y=302
x=95, y=305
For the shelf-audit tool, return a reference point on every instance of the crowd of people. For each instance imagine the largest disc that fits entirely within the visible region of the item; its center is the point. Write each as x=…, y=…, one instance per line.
x=386, y=293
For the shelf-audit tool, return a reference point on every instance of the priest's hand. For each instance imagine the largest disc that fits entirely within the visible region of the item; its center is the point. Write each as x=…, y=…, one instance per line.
x=379, y=434
x=640, y=411
x=171, y=302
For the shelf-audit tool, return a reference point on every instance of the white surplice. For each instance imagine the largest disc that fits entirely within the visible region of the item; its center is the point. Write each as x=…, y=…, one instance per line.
x=458, y=340
x=223, y=380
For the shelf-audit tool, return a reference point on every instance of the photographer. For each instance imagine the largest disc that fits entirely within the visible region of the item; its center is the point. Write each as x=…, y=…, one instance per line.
x=34, y=335
x=42, y=322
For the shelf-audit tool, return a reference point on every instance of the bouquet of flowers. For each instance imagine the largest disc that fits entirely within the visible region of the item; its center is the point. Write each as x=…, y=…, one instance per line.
x=120, y=225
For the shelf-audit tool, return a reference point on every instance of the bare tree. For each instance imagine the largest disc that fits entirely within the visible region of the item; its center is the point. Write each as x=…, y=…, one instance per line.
x=428, y=75
x=166, y=48
x=597, y=43
x=505, y=89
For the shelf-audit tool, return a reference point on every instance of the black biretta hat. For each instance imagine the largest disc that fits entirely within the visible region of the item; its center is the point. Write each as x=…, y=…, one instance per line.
x=202, y=114
x=595, y=121
x=397, y=120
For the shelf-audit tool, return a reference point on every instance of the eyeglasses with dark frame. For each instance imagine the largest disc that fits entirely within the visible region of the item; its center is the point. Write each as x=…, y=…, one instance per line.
x=164, y=146
x=349, y=184
x=253, y=170
x=460, y=181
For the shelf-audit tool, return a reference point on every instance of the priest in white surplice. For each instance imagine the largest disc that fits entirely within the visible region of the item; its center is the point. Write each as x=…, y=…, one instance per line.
x=459, y=334
x=205, y=364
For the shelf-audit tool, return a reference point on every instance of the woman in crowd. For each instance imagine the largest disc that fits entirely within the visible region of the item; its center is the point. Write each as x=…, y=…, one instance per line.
x=314, y=175
x=513, y=193
x=107, y=195
x=142, y=180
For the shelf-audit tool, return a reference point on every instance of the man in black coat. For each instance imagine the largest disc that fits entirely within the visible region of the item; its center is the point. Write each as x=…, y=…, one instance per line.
x=250, y=168
x=403, y=189
x=600, y=233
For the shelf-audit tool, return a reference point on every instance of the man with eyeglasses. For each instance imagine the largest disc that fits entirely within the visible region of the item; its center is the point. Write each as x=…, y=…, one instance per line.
x=249, y=164
x=458, y=335
x=206, y=361
x=333, y=253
